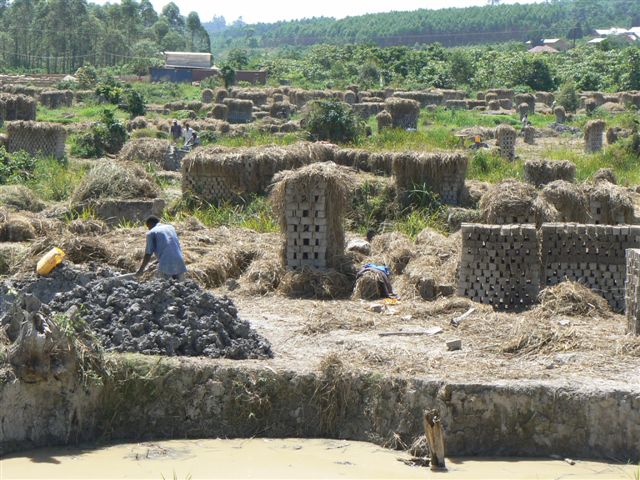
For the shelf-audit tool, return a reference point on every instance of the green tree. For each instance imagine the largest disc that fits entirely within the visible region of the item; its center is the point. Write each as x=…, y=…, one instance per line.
x=334, y=121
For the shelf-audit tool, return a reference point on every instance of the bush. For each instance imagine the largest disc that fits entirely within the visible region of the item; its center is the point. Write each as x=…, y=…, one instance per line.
x=15, y=167
x=334, y=121
x=567, y=97
x=110, y=91
x=108, y=135
x=134, y=103
x=87, y=77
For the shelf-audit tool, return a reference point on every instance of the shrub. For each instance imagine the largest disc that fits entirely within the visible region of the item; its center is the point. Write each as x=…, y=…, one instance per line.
x=108, y=135
x=568, y=97
x=134, y=103
x=15, y=167
x=334, y=121
x=110, y=91
x=87, y=77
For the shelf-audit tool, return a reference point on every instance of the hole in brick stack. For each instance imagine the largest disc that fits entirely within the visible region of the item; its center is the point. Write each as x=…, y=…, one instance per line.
x=305, y=213
x=317, y=242
x=305, y=242
x=317, y=228
x=315, y=255
x=305, y=256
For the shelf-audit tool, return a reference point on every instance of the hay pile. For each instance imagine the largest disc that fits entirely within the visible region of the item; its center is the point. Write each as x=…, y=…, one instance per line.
x=568, y=200
x=219, y=111
x=207, y=95
x=15, y=227
x=572, y=299
x=367, y=286
x=605, y=175
x=147, y=150
x=137, y=123
x=337, y=183
x=473, y=192
x=239, y=111
x=511, y=201
x=527, y=98
x=320, y=285
x=20, y=197
x=441, y=172
x=609, y=204
x=394, y=249
x=541, y=172
x=219, y=94
x=257, y=97
x=423, y=98
x=115, y=180
x=250, y=170
x=404, y=112
x=17, y=107
x=56, y=98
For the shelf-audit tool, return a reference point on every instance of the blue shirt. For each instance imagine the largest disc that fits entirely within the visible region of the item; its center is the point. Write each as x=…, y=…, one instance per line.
x=163, y=241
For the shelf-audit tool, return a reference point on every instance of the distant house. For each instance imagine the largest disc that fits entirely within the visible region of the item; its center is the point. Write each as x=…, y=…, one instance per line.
x=543, y=49
x=184, y=67
x=617, y=35
x=557, y=43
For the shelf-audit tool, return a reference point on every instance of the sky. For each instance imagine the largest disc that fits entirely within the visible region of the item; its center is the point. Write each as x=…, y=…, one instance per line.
x=271, y=11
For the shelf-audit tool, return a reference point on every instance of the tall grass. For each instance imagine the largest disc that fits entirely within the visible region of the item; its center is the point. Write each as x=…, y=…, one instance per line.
x=490, y=167
x=255, y=138
x=68, y=115
x=54, y=180
x=257, y=214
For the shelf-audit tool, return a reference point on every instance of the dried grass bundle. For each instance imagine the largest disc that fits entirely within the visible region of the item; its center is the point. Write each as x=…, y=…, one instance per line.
x=610, y=204
x=20, y=197
x=115, y=180
x=541, y=172
x=321, y=285
x=404, y=112
x=568, y=199
x=605, y=175
x=147, y=150
x=394, y=249
x=17, y=107
x=512, y=201
x=15, y=228
x=572, y=299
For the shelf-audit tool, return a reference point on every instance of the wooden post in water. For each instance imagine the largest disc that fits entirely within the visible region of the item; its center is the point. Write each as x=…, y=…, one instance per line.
x=435, y=438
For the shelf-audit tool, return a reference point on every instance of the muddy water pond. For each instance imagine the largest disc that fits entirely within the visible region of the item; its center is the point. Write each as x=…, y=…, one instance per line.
x=277, y=458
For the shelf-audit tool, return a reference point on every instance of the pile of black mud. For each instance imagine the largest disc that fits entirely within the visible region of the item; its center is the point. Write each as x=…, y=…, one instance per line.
x=156, y=317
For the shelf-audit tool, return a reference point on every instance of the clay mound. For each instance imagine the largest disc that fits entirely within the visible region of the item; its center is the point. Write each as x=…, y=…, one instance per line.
x=572, y=299
x=163, y=317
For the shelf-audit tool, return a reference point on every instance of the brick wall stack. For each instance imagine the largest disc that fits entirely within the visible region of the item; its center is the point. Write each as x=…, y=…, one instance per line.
x=16, y=107
x=306, y=235
x=212, y=188
x=500, y=265
x=36, y=138
x=506, y=140
x=238, y=110
x=593, y=132
x=593, y=255
x=632, y=291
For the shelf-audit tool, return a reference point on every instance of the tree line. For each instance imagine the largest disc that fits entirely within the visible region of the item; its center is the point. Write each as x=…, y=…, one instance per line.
x=58, y=36
x=449, y=27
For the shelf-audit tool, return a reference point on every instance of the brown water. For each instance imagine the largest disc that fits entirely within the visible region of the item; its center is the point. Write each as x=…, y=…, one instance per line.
x=289, y=458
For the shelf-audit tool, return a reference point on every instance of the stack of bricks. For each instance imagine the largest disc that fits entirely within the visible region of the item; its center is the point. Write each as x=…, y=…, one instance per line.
x=500, y=265
x=16, y=107
x=593, y=255
x=506, y=140
x=35, y=138
x=209, y=188
x=529, y=134
x=450, y=186
x=306, y=235
x=632, y=291
x=602, y=214
x=593, y=132
x=56, y=98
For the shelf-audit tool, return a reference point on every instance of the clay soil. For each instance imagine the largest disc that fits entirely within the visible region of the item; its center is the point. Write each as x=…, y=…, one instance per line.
x=495, y=346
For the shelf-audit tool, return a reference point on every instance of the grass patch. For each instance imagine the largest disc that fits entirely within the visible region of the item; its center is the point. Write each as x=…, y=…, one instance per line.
x=86, y=113
x=256, y=139
x=465, y=118
x=165, y=92
x=54, y=180
x=413, y=222
x=256, y=214
x=490, y=167
x=396, y=139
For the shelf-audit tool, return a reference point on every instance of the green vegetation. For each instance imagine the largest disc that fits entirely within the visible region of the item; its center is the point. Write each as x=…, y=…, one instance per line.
x=333, y=121
x=54, y=180
x=106, y=136
x=15, y=167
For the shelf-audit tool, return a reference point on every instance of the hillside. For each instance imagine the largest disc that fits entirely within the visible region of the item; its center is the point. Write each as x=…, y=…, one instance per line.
x=450, y=27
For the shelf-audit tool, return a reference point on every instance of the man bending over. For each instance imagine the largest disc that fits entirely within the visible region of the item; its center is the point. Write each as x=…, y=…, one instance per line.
x=162, y=241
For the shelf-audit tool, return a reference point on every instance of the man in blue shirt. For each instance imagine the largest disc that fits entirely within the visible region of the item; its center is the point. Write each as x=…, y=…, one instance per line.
x=162, y=241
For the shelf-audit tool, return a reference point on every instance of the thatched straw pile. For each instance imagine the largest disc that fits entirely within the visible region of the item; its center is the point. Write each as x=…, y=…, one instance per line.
x=527, y=98
x=511, y=201
x=443, y=173
x=281, y=110
x=320, y=285
x=384, y=120
x=20, y=197
x=560, y=113
x=394, y=249
x=545, y=97
x=337, y=183
x=207, y=95
x=137, y=124
x=609, y=204
x=115, y=180
x=423, y=98
x=572, y=299
x=56, y=98
x=248, y=170
x=404, y=112
x=605, y=175
x=147, y=150
x=568, y=199
x=239, y=111
x=15, y=227
x=220, y=94
x=36, y=138
x=541, y=172
x=17, y=107
x=367, y=286
x=257, y=97
x=349, y=97
x=219, y=111
x=473, y=192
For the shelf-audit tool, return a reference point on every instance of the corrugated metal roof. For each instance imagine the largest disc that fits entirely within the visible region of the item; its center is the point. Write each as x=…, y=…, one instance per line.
x=187, y=59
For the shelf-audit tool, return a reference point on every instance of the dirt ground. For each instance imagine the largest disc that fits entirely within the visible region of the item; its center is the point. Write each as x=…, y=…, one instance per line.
x=495, y=346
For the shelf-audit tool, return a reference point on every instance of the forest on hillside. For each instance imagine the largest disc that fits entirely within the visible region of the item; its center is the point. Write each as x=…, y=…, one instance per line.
x=449, y=27
x=58, y=36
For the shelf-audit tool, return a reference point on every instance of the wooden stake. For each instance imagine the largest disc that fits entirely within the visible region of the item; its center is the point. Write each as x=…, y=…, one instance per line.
x=435, y=438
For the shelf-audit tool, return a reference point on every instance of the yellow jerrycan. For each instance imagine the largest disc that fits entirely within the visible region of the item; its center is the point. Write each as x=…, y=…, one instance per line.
x=50, y=261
